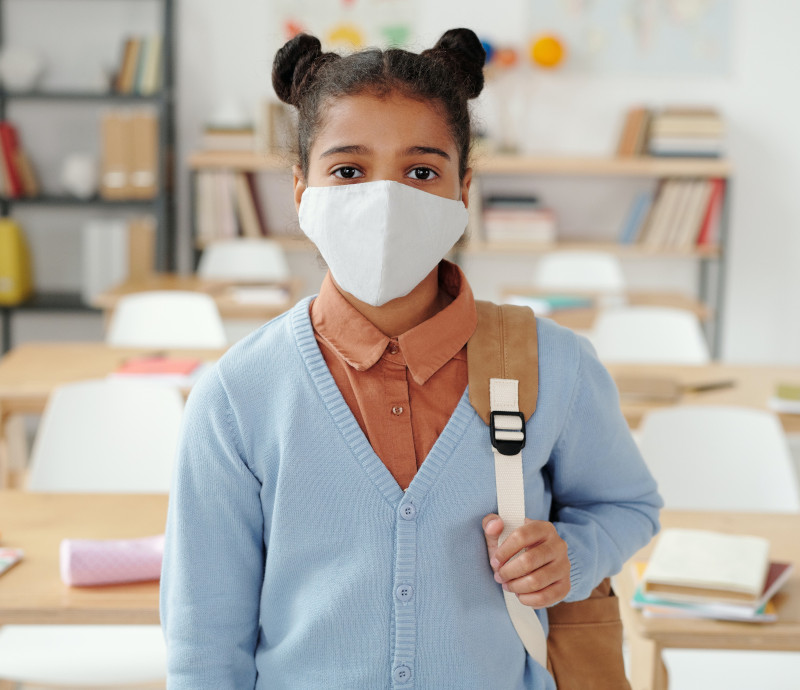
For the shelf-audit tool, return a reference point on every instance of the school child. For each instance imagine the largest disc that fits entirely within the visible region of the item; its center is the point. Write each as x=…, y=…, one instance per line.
x=332, y=519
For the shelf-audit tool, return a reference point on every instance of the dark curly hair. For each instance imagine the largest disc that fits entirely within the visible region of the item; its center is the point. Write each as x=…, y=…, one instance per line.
x=449, y=74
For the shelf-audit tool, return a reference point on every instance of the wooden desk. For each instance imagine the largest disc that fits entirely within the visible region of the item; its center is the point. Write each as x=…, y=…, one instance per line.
x=582, y=319
x=32, y=591
x=29, y=373
x=223, y=292
x=753, y=386
x=649, y=636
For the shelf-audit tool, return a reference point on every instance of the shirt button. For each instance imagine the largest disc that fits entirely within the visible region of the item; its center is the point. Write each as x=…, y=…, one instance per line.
x=397, y=410
x=393, y=349
x=404, y=592
x=408, y=511
x=402, y=674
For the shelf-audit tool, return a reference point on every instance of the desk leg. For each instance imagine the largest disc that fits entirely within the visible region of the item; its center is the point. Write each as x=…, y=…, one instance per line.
x=647, y=667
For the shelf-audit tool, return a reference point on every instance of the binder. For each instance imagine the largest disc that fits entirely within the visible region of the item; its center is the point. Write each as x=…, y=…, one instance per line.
x=115, y=179
x=144, y=155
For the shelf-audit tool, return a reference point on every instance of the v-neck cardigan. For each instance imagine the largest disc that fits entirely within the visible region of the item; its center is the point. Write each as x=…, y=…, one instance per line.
x=294, y=560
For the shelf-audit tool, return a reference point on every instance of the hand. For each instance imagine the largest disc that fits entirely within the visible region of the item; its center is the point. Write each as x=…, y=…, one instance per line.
x=539, y=575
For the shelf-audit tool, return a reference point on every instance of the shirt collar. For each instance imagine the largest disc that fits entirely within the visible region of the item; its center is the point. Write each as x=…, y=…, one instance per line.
x=426, y=347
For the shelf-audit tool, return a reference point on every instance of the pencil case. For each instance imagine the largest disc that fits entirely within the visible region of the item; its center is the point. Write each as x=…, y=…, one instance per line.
x=110, y=561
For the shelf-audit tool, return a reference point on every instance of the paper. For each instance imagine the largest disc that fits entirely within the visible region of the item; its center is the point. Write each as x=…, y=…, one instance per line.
x=9, y=557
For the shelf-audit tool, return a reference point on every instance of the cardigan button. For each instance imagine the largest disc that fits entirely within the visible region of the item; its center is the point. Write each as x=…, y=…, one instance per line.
x=402, y=674
x=408, y=511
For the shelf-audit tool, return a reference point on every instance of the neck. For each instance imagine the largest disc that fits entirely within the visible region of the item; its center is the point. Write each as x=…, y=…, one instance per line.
x=404, y=313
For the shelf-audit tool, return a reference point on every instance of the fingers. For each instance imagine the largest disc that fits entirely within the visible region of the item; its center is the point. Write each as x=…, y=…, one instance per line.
x=532, y=533
x=492, y=529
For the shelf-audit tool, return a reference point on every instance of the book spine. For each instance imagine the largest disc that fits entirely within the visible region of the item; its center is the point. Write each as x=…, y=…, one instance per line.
x=259, y=208
x=710, y=226
x=8, y=141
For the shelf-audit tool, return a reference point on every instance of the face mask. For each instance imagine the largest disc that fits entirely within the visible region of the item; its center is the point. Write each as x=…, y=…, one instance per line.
x=380, y=239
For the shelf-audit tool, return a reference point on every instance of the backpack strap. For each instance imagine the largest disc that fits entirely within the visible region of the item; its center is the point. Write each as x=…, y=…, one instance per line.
x=502, y=368
x=503, y=346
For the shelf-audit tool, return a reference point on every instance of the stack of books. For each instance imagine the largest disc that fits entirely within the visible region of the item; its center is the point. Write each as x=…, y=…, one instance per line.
x=170, y=371
x=17, y=176
x=703, y=574
x=139, y=68
x=518, y=219
x=218, y=138
x=677, y=132
x=681, y=213
x=786, y=399
x=687, y=133
x=227, y=204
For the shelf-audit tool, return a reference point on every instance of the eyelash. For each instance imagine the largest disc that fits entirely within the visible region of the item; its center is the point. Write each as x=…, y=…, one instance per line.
x=432, y=175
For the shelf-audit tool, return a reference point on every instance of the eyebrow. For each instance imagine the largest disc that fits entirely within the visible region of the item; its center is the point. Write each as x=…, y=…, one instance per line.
x=360, y=150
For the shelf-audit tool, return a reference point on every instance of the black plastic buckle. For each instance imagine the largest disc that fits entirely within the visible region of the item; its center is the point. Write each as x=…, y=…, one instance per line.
x=505, y=447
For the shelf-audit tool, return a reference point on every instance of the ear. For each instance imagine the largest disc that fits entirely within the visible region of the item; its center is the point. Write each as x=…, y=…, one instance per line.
x=465, y=184
x=299, y=185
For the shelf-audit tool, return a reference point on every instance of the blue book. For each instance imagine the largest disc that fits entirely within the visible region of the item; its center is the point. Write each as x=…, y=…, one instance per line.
x=636, y=217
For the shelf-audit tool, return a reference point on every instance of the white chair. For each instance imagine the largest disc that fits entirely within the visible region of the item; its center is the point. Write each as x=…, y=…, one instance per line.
x=166, y=319
x=97, y=436
x=658, y=335
x=244, y=259
x=708, y=457
x=722, y=458
x=580, y=271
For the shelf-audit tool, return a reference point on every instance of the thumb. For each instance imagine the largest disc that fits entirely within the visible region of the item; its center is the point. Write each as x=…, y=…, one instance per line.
x=492, y=529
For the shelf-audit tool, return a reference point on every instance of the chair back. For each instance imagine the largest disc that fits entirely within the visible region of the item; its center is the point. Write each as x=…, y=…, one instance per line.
x=720, y=458
x=166, y=319
x=107, y=436
x=580, y=271
x=658, y=335
x=246, y=259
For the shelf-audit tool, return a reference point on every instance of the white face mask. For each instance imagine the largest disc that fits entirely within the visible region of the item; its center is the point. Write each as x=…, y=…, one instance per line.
x=380, y=239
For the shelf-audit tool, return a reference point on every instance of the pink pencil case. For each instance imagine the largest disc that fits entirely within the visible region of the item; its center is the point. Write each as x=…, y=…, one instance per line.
x=110, y=561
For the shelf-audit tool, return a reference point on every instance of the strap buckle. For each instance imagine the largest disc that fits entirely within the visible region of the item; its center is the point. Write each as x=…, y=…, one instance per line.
x=507, y=431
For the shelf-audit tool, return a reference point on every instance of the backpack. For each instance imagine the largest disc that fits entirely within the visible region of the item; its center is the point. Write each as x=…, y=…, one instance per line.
x=584, y=645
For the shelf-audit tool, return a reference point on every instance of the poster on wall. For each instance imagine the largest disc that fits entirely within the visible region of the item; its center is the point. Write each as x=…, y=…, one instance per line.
x=640, y=37
x=347, y=25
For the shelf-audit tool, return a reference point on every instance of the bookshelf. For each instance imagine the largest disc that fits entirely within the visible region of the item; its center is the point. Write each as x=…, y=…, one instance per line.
x=161, y=206
x=710, y=282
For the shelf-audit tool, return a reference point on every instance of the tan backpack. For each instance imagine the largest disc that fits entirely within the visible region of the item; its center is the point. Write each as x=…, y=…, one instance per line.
x=584, y=645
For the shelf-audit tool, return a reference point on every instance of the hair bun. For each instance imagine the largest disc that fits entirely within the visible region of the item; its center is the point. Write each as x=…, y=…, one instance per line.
x=462, y=49
x=292, y=66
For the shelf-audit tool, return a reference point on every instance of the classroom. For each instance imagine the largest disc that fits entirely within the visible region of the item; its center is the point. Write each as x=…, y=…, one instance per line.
x=206, y=314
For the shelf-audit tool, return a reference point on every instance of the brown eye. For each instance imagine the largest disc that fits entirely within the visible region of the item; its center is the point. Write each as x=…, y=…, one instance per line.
x=422, y=174
x=348, y=173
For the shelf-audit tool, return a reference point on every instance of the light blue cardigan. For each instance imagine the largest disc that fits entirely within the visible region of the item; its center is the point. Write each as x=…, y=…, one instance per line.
x=294, y=560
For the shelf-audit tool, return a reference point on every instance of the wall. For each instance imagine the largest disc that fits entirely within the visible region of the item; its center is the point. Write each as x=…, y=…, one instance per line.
x=225, y=52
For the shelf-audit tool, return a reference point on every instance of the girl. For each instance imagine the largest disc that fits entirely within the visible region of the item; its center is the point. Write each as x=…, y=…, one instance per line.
x=332, y=523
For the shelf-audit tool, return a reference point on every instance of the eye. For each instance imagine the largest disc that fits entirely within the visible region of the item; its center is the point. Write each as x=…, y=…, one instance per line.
x=422, y=174
x=348, y=173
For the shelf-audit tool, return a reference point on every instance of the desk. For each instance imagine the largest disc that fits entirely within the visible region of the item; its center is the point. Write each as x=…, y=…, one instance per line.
x=29, y=373
x=32, y=591
x=649, y=636
x=753, y=386
x=223, y=292
x=582, y=319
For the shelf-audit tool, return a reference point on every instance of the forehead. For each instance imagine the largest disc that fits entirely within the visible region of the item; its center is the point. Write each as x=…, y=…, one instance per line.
x=393, y=120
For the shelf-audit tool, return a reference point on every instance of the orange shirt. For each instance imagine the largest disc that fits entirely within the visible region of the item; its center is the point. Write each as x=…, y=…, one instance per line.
x=401, y=390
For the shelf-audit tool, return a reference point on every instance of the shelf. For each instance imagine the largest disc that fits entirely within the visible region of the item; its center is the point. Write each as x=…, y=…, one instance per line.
x=82, y=96
x=53, y=301
x=64, y=200
x=644, y=166
x=624, y=251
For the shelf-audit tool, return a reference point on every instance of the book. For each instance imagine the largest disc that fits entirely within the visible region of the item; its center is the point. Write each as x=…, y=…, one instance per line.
x=709, y=226
x=245, y=208
x=695, y=211
x=762, y=610
x=262, y=221
x=786, y=399
x=629, y=143
x=689, y=565
x=127, y=74
x=535, y=225
x=543, y=305
x=150, y=80
x=8, y=148
x=635, y=220
x=173, y=371
x=9, y=557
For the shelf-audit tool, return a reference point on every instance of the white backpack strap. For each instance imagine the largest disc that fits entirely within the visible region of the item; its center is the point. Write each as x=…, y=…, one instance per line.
x=507, y=430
